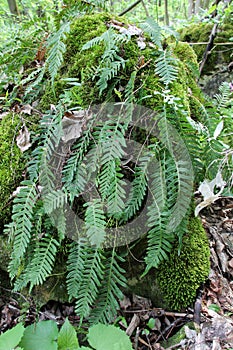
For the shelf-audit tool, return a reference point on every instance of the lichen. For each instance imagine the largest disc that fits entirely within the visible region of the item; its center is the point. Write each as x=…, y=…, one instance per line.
x=181, y=276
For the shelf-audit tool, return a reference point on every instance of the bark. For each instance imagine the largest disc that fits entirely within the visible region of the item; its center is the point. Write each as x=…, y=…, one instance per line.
x=197, y=6
x=13, y=7
x=166, y=12
x=191, y=8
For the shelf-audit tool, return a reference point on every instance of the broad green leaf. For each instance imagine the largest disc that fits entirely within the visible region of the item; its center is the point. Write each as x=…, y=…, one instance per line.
x=85, y=348
x=40, y=336
x=10, y=339
x=67, y=338
x=102, y=337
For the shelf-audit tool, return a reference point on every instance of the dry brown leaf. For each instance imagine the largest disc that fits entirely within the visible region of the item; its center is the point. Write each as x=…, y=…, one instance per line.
x=23, y=139
x=27, y=109
x=73, y=125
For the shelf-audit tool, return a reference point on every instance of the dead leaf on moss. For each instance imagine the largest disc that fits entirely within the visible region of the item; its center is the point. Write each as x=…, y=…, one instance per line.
x=23, y=139
x=27, y=109
x=73, y=124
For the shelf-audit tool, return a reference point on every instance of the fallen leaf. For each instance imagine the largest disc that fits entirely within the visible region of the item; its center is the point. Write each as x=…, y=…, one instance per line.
x=27, y=109
x=23, y=139
x=73, y=124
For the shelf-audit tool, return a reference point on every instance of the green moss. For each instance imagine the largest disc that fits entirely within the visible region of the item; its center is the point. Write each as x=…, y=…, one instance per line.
x=12, y=163
x=198, y=33
x=181, y=276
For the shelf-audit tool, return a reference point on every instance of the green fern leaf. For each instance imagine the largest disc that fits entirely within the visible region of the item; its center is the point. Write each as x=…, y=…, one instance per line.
x=166, y=67
x=95, y=222
x=109, y=293
x=57, y=49
x=22, y=218
x=154, y=30
x=41, y=264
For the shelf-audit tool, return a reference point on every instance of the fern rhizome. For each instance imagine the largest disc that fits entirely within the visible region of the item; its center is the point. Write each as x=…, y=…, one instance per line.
x=81, y=162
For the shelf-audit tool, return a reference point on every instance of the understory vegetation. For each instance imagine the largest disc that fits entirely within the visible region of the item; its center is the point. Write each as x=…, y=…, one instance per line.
x=102, y=89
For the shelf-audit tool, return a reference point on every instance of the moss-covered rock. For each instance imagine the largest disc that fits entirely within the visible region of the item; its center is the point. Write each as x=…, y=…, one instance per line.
x=215, y=70
x=181, y=276
x=80, y=64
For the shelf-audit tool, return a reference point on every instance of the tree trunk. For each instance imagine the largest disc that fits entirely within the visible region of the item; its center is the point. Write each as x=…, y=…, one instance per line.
x=197, y=6
x=166, y=12
x=13, y=7
x=191, y=8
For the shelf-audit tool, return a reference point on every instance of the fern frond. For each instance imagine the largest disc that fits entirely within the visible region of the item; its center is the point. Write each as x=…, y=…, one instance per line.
x=160, y=238
x=22, y=218
x=57, y=49
x=139, y=187
x=41, y=264
x=166, y=67
x=95, y=222
x=154, y=30
x=224, y=96
x=85, y=275
x=109, y=293
x=34, y=85
x=116, y=192
x=128, y=93
x=54, y=200
x=108, y=72
x=111, y=62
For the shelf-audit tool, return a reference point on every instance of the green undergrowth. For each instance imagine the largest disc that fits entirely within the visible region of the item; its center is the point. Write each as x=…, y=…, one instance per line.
x=184, y=272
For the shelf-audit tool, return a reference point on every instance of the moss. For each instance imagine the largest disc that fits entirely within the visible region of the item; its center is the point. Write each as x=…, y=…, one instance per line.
x=12, y=163
x=181, y=276
x=200, y=33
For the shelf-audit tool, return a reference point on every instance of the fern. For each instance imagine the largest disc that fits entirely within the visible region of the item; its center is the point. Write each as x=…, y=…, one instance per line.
x=154, y=30
x=111, y=62
x=223, y=98
x=95, y=222
x=22, y=217
x=106, y=299
x=57, y=49
x=139, y=187
x=85, y=273
x=166, y=67
x=41, y=264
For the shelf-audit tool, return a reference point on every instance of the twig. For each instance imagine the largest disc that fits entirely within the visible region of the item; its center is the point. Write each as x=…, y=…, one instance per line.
x=130, y=7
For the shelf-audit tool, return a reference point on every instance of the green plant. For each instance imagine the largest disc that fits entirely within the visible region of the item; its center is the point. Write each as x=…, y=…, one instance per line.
x=45, y=335
x=180, y=276
x=94, y=274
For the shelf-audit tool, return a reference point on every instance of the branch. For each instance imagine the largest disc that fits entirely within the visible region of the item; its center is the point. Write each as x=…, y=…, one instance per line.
x=130, y=7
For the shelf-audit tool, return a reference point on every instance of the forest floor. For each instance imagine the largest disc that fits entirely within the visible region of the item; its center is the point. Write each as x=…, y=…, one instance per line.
x=208, y=325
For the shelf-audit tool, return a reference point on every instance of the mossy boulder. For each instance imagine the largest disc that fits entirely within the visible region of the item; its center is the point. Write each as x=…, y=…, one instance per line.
x=215, y=70
x=184, y=272
x=81, y=64
x=175, y=283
